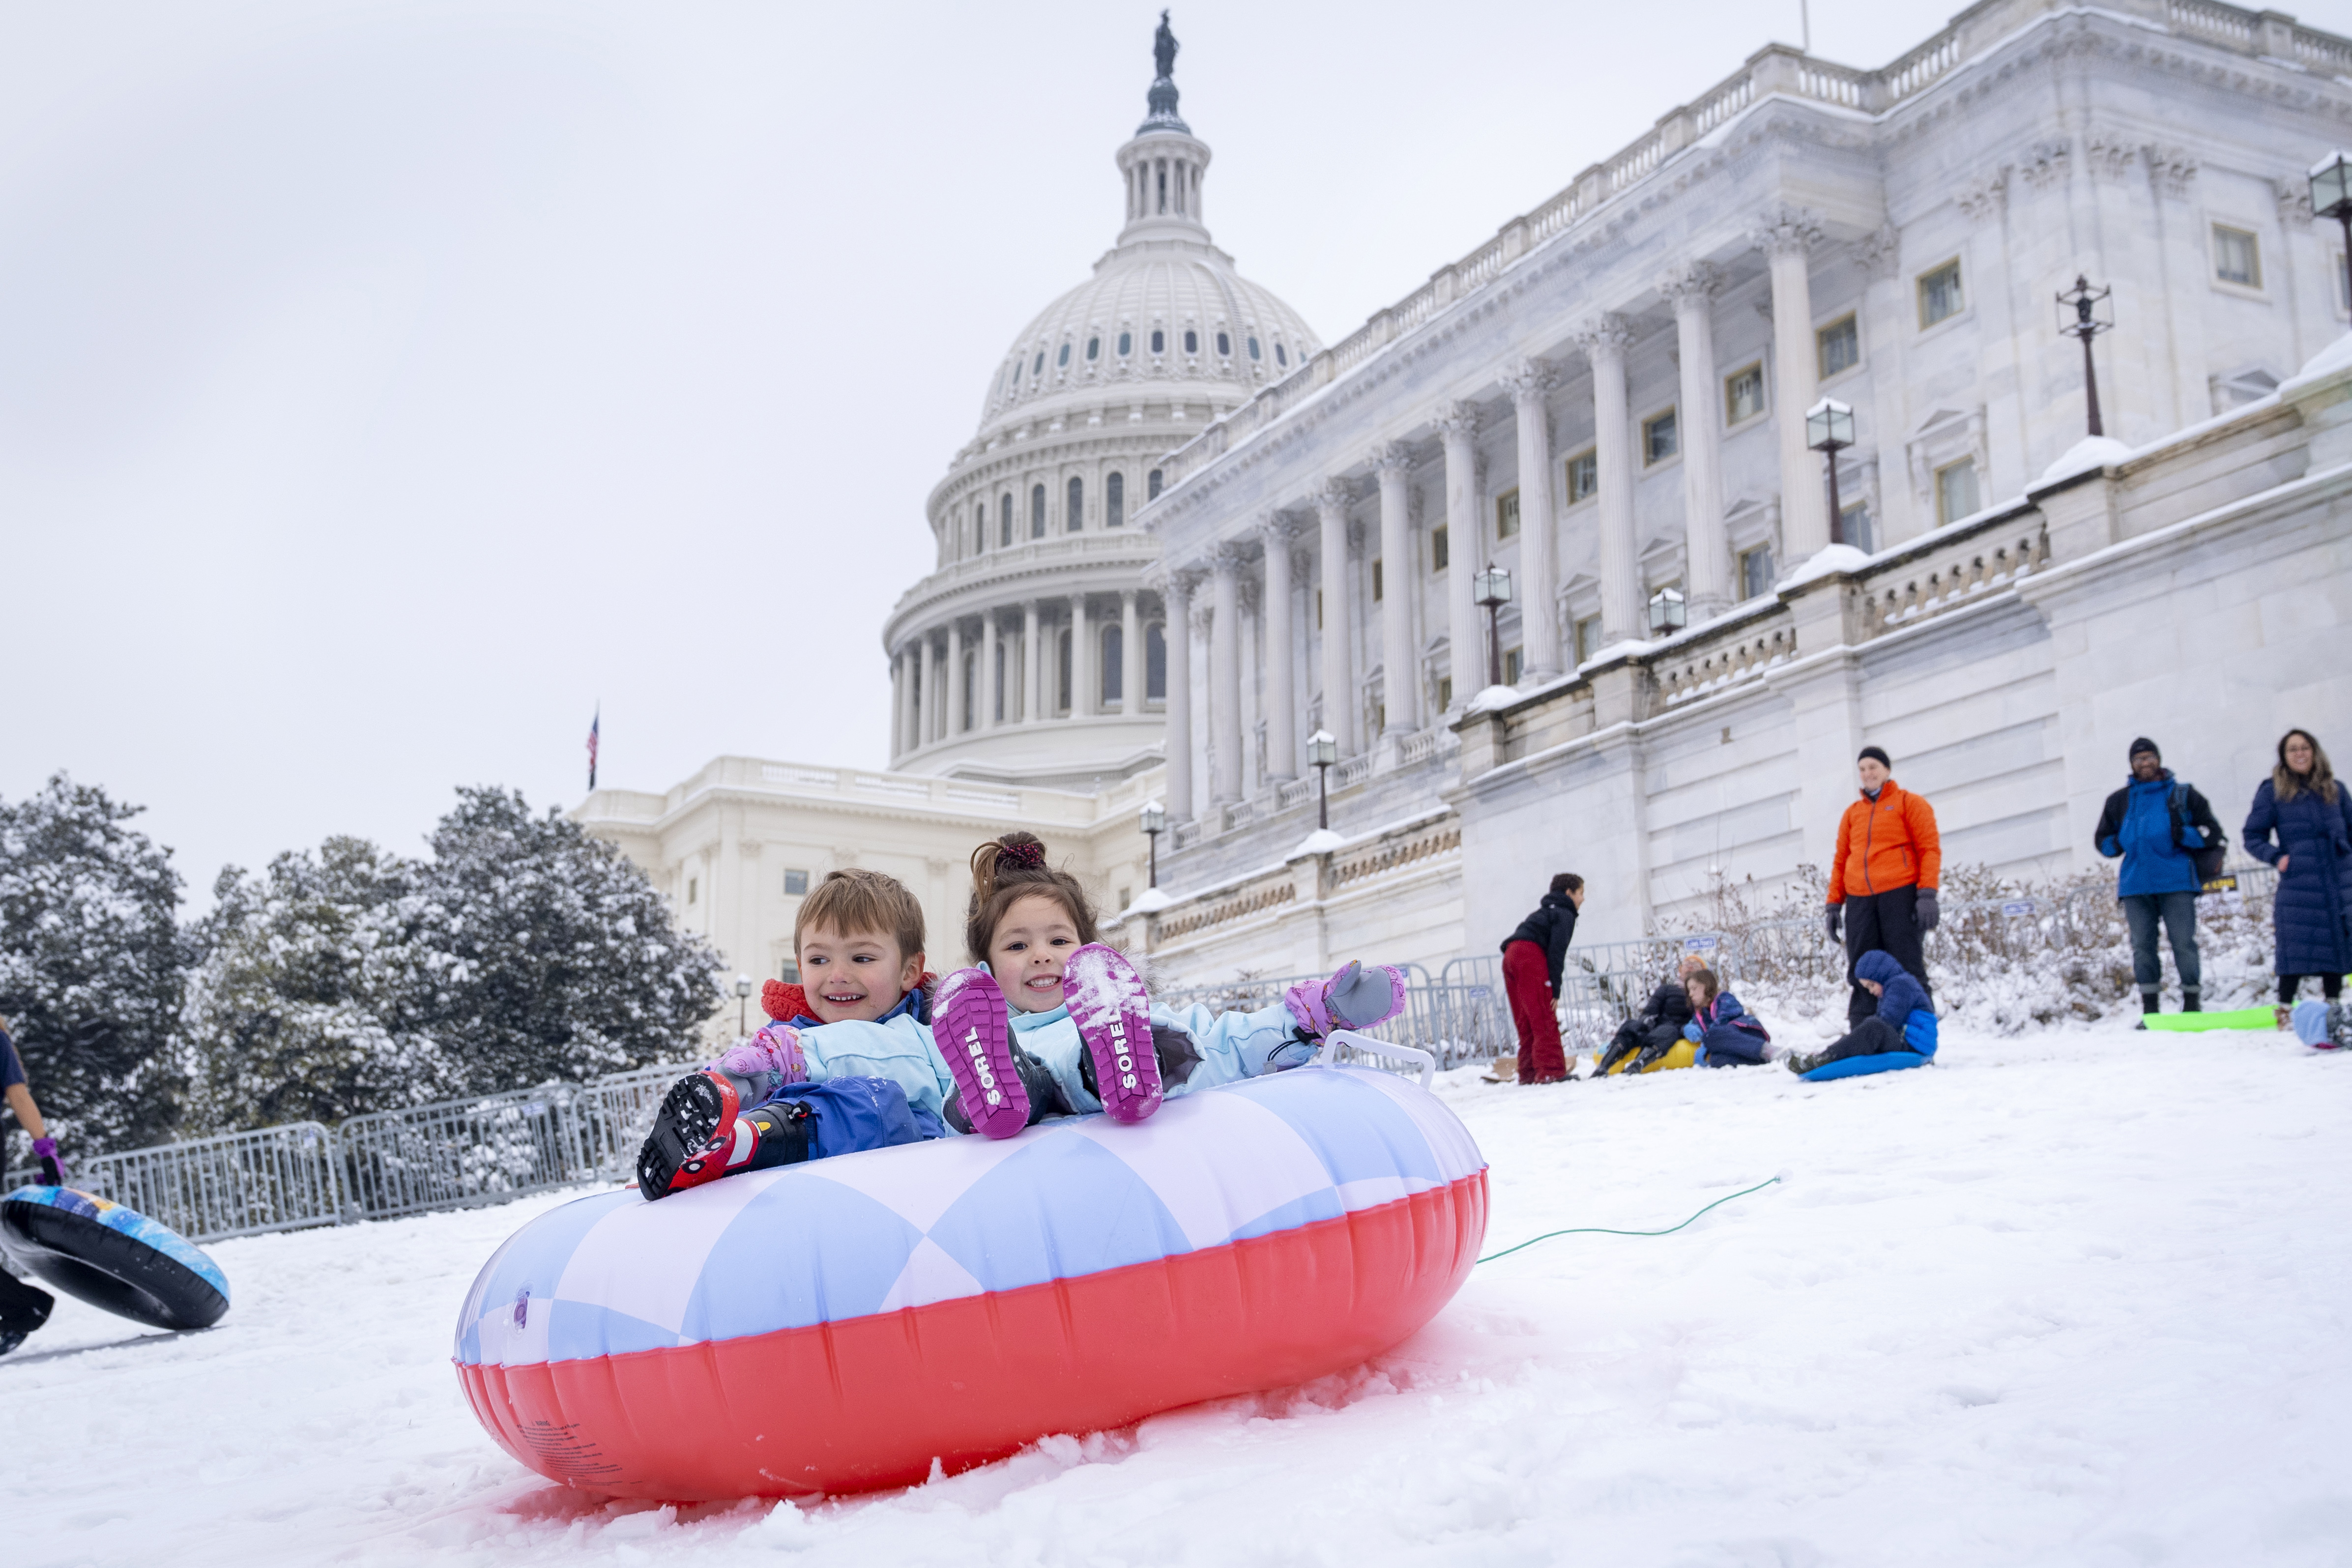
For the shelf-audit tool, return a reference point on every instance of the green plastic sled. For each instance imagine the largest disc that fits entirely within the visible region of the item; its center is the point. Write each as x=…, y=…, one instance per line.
x=2242, y=1018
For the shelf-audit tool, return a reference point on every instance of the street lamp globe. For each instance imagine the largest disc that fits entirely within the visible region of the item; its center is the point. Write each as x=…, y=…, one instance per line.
x=1828, y=426
x=2331, y=185
x=1667, y=612
x=1322, y=749
x=1154, y=818
x=1493, y=587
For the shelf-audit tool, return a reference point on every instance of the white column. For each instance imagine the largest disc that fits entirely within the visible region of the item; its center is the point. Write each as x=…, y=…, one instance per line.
x=988, y=669
x=1032, y=659
x=1883, y=338
x=897, y=704
x=1225, y=672
x=1281, y=676
x=957, y=717
x=1707, y=548
x=1399, y=580
x=1785, y=239
x=1131, y=656
x=927, y=716
x=1605, y=344
x=1082, y=659
x=1538, y=585
x=1465, y=541
x=1340, y=700
x=2188, y=267
x=1176, y=603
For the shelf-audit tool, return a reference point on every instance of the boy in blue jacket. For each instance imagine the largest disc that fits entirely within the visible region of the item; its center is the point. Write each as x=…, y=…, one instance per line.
x=1906, y=1020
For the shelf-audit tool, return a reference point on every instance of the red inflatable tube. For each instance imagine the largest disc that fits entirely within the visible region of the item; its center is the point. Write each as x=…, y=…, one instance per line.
x=873, y=1401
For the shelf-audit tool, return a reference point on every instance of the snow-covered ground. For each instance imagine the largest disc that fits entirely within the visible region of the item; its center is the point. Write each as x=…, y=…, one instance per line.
x=2079, y=1297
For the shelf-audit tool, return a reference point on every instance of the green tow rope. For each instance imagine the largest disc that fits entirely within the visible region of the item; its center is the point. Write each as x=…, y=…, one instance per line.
x=1599, y=1230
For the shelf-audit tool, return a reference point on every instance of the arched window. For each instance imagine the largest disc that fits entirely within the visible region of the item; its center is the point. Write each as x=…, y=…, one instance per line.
x=1252, y=348
x=1062, y=686
x=1114, y=647
x=1126, y=342
x=1036, y=512
x=1076, y=517
x=1159, y=340
x=1094, y=348
x=1225, y=346
x=1039, y=368
x=1115, y=500
x=1151, y=485
x=1005, y=533
x=971, y=681
x=1192, y=341
x=1155, y=663
x=1062, y=359
x=980, y=528
x=1279, y=357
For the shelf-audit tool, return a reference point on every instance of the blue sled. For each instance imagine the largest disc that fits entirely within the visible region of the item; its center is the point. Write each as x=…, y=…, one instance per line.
x=1856, y=1067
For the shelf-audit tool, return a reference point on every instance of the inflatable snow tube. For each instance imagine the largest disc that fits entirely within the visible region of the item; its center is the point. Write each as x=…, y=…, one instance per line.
x=844, y=1324
x=1862, y=1066
x=111, y=1256
x=1682, y=1054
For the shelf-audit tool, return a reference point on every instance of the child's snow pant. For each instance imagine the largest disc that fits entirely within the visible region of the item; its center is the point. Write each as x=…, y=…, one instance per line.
x=1887, y=923
x=1527, y=981
x=1872, y=1037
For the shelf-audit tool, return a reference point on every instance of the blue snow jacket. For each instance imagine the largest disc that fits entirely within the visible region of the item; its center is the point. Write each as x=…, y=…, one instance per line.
x=1231, y=1047
x=2313, y=912
x=897, y=1045
x=1902, y=1003
x=1726, y=1033
x=2154, y=833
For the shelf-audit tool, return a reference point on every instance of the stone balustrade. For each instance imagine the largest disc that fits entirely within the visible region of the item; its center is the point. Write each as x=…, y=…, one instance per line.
x=1942, y=573
x=1739, y=648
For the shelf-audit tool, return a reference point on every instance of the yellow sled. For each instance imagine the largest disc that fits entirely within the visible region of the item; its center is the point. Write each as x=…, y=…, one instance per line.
x=1684, y=1055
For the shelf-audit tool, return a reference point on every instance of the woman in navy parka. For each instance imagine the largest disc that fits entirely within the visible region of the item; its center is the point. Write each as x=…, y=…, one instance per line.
x=2309, y=813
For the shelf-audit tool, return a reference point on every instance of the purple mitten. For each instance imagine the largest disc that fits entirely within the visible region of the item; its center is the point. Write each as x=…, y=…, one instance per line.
x=1355, y=998
x=775, y=1050
x=53, y=1165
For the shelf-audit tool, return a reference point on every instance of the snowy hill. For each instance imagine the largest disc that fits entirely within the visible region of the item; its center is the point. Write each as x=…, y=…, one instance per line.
x=2077, y=1297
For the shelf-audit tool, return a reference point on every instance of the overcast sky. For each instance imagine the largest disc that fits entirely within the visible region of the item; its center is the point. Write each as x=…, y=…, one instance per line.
x=383, y=385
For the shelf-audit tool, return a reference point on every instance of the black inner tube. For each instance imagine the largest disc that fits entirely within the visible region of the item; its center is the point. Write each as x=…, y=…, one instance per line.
x=95, y=1263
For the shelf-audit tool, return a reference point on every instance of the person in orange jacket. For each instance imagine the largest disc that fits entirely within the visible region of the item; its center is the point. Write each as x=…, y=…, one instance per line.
x=1882, y=881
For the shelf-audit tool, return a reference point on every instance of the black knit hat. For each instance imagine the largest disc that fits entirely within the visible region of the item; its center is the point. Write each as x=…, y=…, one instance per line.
x=2145, y=744
x=1883, y=759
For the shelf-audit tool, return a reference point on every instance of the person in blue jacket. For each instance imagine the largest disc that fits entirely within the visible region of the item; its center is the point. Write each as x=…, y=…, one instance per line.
x=2155, y=824
x=1906, y=1020
x=2308, y=811
x=1726, y=1034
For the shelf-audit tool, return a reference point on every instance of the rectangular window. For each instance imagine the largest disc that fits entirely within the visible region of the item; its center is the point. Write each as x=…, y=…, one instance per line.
x=1036, y=512
x=1584, y=477
x=1841, y=346
x=1956, y=490
x=1062, y=689
x=1940, y=294
x=795, y=884
x=693, y=888
x=1438, y=550
x=1854, y=527
x=1114, y=666
x=1155, y=663
x=1514, y=661
x=1379, y=717
x=1007, y=531
x=1445, y=692
x=1076, y=511
x=2237, y=256
x=788, y=972
x=1376, y=581
x=1507, y=514
x=1756, y=571
x=1743, y=393
x=1588, y=638
x=1658, y=439
x=1126, y=898
x=1115, y=505
x=1318, y=609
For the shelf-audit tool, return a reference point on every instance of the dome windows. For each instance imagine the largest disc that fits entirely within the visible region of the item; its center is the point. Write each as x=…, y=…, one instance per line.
x=1037, y=510
x=1151, y=485
x=1115, y=500
x=1126, y=343
x=1159, y=342
x=1062, y=360
x=1279, y=357
x=1039, y=368
x=1076, y=514
x=1252, y=348
x=1225, y=346
x=1192, y=341
x=1093, y=349
x=1004, y=532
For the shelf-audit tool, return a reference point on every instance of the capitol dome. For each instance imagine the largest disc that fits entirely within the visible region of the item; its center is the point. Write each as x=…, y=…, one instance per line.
x=1034, y=652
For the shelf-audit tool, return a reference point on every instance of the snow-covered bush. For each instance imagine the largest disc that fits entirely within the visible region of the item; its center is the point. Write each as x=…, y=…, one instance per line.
x=91, y=959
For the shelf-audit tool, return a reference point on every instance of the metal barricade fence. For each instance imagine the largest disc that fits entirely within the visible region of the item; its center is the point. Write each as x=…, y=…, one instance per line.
x=459, y=1153
x=208, y=1189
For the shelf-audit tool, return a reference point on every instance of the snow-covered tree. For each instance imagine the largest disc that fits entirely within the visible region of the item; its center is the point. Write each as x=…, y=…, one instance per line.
x=91, y=962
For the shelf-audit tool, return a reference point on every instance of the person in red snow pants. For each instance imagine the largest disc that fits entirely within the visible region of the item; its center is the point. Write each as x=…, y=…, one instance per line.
x=1532, y=956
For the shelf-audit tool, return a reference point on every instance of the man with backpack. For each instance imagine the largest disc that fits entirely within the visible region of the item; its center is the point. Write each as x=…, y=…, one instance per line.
x=2171, y=845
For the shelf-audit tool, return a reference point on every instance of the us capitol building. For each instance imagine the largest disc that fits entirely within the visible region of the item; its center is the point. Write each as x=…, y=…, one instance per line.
x=1188, y=533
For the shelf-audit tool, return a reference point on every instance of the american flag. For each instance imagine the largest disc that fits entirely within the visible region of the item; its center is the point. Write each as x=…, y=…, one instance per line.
x=594, y=726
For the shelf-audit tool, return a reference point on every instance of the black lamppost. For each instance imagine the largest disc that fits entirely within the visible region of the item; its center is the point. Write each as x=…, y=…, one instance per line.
x=2083, y=312
x=2331, y=196
x=742, y=1003
x=1154, y=824
x=1494, y=589
x=1322, y=750
x=1668, y=612
x=1829, y=430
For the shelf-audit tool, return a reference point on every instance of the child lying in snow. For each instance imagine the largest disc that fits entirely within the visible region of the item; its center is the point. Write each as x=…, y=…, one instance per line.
x=846, y=1063
x=1048, y=1020
x=1726, y=1033
x=1904, y=1021
x=2323, y=1026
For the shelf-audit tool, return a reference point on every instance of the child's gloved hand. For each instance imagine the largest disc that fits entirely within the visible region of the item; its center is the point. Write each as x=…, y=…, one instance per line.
x=773, y=1054
x=1690, y=1031
x=53, y=1165
x=1355, y=998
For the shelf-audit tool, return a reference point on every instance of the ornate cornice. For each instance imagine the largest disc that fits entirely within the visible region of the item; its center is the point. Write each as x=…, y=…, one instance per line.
x=1457, y=421
x=1986, y=196
x=1529, y=380
x=2045, y=163
x=2171, y=169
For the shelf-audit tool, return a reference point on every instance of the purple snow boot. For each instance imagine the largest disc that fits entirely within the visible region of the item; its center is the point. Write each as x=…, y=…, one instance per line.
x=1355, y=998
x=1108, y=1004
x=974, y=1030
